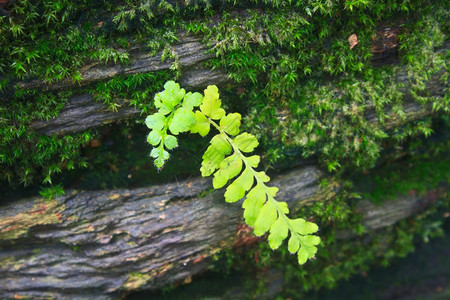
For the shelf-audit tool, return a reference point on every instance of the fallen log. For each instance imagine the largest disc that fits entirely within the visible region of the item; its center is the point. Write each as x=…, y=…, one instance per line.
x=104, y=244
x=83, y=112
x=190, y=52
x=101, y=244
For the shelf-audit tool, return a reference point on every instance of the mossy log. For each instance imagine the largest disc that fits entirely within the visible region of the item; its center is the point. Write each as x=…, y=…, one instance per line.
x=83, y=112
x=103, y=244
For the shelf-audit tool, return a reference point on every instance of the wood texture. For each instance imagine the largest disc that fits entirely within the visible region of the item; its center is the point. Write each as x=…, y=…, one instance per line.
x=83, y=112
x=102, y=244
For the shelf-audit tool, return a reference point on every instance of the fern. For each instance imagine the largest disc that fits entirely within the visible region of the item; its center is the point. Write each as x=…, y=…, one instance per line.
x=174, y=115
x=227, y=159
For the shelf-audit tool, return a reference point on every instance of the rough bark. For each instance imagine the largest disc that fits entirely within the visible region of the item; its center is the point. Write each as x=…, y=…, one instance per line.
x=97, y=244
x=192, y=54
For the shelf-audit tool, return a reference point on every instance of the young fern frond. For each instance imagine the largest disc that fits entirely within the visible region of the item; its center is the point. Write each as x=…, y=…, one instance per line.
x=225, y=160
x=174, y=114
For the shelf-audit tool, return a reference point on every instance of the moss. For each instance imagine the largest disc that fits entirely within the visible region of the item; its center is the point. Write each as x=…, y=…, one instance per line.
x=136, y=90
x=288, y=67
x=136, y=280
x=285, y=49
x=414, y=167
x=417, y=177
x=43, y=212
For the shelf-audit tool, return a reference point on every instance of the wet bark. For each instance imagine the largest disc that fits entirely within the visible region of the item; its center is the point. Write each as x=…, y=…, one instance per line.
x=83, y=112
x=103, y=244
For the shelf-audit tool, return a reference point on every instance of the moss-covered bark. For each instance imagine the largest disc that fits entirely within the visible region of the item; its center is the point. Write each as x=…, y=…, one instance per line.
x=291, y=68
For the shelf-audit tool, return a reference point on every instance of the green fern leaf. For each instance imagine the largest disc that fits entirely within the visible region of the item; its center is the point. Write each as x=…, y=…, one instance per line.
x=253, y=160
x=182, y=120
x=262, y=176
x=303, y=255
x=154, y=153
x=192, y=100
x=293, y=244
x=214, y=155
x=163, y=155
x=310, y=240
x=225, y=159
x=278, y=232
x=154, y=137
x=155, y=121
x=170, y=142
x=253, y=203
x=211, y=103
x=231, y=123
x=303, y=227
x=172, y=95
x=267, y=216
x=236, y=190
x=306, y=252
x=228, y=169
x=174, y=114
x=246, y=142
x=201, y=125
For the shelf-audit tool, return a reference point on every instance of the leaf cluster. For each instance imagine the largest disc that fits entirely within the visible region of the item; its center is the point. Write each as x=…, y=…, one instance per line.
x=175, y=115
x=338, y=259
x=226, y=160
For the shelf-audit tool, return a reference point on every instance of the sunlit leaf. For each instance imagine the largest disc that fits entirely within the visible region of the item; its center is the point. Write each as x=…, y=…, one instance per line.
x=211, y=103
x=236, y=190
x=192, y=100
x=154, y=137
x=278, y=232
x=182, y=120
x=201, y=125
x=155, y=121
x=266, y=218
x=170, y=142
x=231, y=123
x=246, y=142
x=214, y=155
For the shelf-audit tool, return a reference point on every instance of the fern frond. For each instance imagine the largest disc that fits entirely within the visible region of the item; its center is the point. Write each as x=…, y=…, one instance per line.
x=261, y=210
x=175, y=114
x=225, y=159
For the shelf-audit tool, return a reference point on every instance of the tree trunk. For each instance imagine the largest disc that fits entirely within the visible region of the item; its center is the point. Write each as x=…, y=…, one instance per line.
x=102, y=244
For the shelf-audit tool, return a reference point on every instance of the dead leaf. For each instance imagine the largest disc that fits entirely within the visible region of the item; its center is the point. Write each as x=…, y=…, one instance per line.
x=187, y=279
x=95, y=143
x=114, y=196
x=353, y=40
